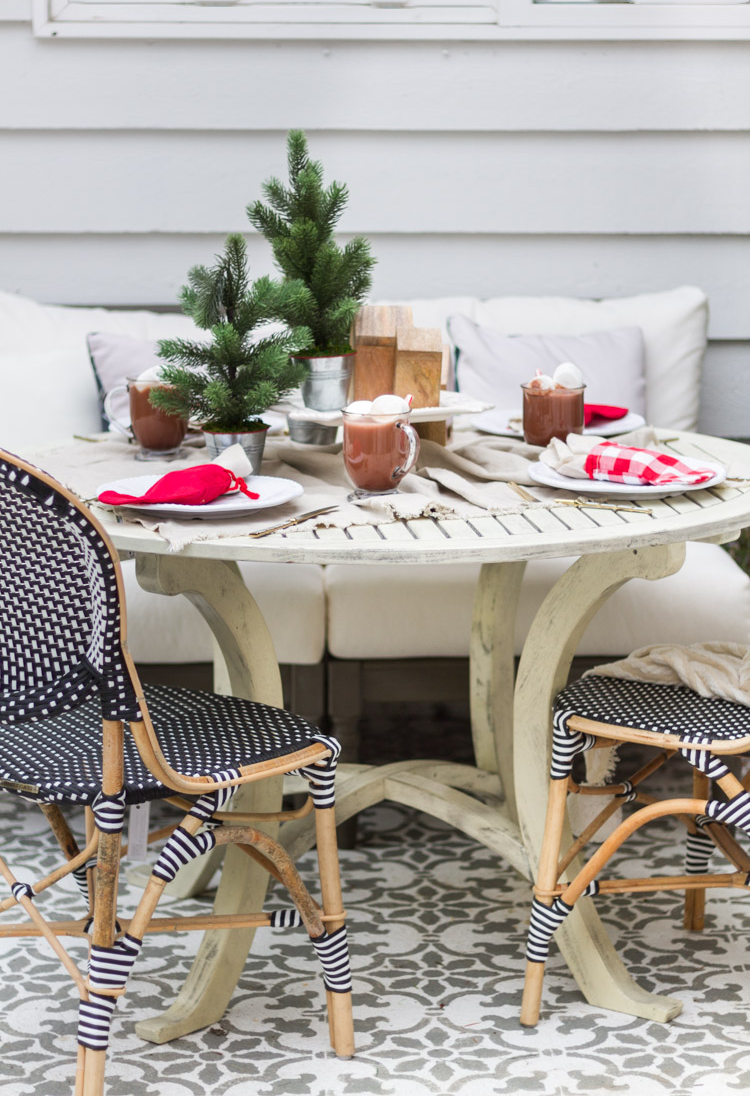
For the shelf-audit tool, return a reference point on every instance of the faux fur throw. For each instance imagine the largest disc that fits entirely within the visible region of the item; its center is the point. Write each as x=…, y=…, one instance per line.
x=709, y=669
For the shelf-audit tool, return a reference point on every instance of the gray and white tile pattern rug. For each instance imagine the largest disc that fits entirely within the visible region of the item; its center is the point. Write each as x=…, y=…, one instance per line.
x=437, y=930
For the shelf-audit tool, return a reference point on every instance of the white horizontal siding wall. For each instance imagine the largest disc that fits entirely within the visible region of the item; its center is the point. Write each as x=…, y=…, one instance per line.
x=587, y=169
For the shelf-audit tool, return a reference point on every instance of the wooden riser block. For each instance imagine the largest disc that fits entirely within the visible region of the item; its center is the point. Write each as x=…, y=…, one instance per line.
x=373, y=371
x=418, y=378
x=419, y=365
x=433, y=431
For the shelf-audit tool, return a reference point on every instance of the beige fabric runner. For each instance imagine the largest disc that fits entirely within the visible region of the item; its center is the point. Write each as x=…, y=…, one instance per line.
x=467, y=479
x=712, y=669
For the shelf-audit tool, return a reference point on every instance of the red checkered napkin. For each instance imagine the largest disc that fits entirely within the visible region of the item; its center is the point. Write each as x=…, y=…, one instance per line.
x=624, y=464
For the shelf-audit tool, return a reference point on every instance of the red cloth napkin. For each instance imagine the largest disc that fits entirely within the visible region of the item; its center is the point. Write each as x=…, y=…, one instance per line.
x=625, y=464
x=188, y=486
x=602, y=411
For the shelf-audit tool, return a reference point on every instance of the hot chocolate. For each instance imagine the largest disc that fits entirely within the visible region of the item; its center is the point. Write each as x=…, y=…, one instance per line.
x=155, y=430
x=553, y=406
x=379, y=448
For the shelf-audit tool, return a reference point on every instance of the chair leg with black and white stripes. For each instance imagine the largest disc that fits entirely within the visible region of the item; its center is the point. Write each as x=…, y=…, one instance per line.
x=708, y=817
x=111, y=960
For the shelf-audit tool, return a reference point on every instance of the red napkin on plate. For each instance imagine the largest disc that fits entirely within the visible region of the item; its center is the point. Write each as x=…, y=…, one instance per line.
x=189, y=486
x=626, y=464
x=602, y=411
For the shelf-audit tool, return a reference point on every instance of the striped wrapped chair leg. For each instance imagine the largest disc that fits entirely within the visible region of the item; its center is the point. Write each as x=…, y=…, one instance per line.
x=78, y=728
x=672, y=720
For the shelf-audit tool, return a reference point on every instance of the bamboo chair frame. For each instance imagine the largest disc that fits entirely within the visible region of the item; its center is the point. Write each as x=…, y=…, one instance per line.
x=553, y=863
x=103, y=927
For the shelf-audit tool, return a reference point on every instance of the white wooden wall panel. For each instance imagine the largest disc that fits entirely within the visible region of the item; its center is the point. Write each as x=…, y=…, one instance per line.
x=368, y=86
x=137, y=269
x=419, y=182
x=583, y=169
x=725, y=395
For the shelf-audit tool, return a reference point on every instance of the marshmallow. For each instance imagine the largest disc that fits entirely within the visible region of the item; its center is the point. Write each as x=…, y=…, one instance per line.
x=543, y=382
x=389, y=405
x=568, y=375
x=153, y=373
x=359, y=407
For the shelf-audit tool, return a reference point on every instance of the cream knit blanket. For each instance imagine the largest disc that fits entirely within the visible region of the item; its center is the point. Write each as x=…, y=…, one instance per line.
x=710, y=669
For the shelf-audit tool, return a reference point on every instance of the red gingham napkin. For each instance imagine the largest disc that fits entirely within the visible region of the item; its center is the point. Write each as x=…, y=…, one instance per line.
x=624, y=464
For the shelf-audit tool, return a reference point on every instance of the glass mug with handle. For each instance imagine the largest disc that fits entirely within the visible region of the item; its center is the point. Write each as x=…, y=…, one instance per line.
x=158, y=433
x=379, y=449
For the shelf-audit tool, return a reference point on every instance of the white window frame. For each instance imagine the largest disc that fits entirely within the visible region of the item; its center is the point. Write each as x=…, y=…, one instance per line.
x=441, y=20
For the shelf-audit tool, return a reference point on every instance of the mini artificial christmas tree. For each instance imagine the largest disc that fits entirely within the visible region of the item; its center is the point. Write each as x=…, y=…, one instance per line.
x=299, y=222
x=226, y=384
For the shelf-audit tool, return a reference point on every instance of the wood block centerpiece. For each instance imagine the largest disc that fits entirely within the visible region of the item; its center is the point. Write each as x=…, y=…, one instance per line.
x=374, y=339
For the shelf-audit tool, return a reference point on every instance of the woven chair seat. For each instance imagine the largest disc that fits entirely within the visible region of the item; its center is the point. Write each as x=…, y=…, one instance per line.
x=662, y=709
x=200, y=734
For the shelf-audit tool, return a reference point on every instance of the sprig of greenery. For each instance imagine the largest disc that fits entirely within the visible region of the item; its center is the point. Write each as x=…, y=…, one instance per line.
x=299, y=221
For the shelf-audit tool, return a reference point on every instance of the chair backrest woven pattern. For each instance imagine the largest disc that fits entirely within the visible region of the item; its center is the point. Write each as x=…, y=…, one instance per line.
x=59, y=606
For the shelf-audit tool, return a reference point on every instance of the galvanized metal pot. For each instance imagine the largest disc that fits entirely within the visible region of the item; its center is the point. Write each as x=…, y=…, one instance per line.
x=251, y=441
x=328, y=382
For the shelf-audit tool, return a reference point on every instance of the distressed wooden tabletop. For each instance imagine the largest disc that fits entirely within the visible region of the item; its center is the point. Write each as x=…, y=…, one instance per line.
x=531, y=532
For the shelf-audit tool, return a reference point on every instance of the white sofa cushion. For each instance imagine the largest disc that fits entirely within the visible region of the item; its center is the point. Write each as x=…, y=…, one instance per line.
x=674, y=325
x=291, y=599
x=59, y=368
x=424, y=611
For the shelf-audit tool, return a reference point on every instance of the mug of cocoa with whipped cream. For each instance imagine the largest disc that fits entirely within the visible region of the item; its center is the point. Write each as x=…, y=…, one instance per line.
x=553, y=406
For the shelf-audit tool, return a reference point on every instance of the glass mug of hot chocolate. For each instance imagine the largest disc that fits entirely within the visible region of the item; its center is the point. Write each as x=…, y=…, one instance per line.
x=380, y=446
x=159, y=434
x=553, y=406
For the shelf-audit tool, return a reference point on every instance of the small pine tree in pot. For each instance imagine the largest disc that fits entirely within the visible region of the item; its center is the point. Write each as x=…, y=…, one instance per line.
x=227, y=383
x=329, y=283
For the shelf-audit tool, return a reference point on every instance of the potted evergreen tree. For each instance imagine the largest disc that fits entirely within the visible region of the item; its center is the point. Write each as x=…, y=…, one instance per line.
x=228, y=382
x=299, y=222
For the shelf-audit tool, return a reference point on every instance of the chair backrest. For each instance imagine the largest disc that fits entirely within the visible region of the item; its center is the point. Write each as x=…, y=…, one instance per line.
x=60, y=618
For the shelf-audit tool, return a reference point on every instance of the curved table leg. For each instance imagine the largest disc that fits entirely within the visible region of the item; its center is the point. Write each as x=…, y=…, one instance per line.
x=218, y=592
x=491, y=672
x=547, y=654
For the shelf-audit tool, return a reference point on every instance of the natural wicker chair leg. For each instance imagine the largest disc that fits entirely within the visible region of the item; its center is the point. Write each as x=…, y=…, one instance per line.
x=340, y=1023
x=546, y=880
x=695, y=899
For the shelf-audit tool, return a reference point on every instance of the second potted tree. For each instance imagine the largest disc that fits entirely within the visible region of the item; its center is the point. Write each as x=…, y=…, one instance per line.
x=227, y=383
x=327, y=284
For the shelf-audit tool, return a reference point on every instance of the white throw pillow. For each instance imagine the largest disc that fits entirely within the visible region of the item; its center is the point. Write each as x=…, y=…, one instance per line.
x=114, y=358
x=493, y=367
x=673, y=322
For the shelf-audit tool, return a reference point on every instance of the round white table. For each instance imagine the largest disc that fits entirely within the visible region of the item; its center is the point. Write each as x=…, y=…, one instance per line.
x=510, y=723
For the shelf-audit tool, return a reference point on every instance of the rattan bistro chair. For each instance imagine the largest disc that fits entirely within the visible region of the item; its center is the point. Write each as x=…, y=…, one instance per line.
x=68, y=688
x=601, y=711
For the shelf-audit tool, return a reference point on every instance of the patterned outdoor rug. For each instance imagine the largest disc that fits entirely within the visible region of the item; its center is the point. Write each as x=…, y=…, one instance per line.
x=438, y=930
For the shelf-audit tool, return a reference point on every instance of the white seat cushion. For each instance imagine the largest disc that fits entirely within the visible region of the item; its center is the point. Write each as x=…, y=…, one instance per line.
x=425, y=610
x=291, y=598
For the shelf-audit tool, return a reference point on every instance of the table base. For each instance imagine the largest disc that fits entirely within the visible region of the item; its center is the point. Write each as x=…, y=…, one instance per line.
x=511, y=739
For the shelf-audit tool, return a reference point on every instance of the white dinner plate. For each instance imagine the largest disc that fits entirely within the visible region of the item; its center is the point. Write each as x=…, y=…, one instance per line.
x=550, y=477
x=507, y=424
x=273, y=491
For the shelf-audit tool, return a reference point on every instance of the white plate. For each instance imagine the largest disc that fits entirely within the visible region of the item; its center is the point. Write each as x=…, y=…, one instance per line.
x=503, y=423
x=550, y=477
x=273, y=491
x=451, y=403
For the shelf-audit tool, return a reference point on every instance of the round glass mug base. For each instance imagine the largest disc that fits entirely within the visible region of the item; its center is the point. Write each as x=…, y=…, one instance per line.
x=361, y=493
x=160, y=454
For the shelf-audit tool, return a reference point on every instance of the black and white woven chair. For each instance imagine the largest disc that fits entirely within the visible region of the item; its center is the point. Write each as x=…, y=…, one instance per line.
x=600, y=711
x=76, y=727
